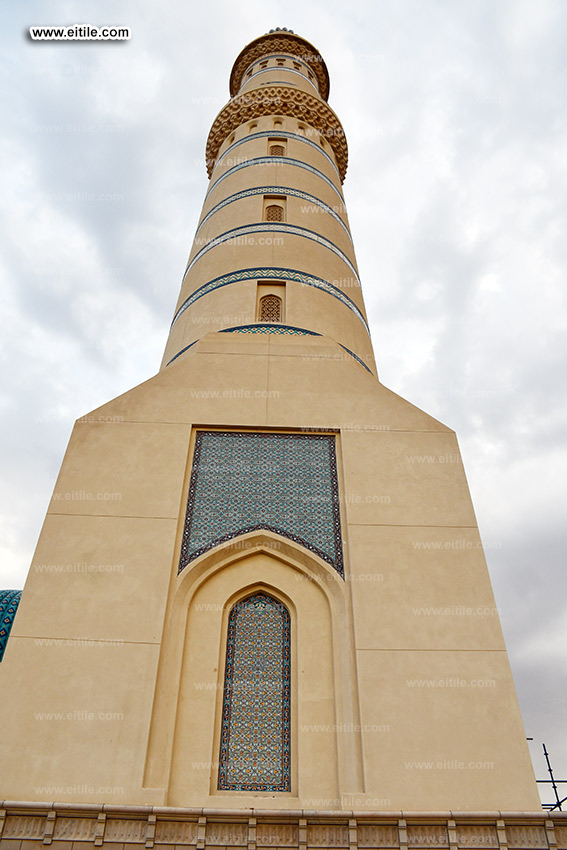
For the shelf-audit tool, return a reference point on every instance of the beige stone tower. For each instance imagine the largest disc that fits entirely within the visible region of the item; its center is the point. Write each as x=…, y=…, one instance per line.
x=260, y=584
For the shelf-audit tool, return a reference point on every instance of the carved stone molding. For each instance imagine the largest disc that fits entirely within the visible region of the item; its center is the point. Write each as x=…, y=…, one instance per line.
x=176, y=832
x=125, y=831
x=327, y=835
x=227, y=834
x=526, y=836
x=377, y=835
x=277, y=834
x=28, y=826
x=74, y=829
x=278, y=100
x=427, y=835
x=280, y=43
x=23, y=826
x=477, y=835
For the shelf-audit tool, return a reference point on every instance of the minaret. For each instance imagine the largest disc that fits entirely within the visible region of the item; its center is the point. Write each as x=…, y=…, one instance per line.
x=260, y=584
x=273, y=253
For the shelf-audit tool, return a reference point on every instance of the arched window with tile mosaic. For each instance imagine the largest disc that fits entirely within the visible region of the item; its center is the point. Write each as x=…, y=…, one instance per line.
x=255, y=734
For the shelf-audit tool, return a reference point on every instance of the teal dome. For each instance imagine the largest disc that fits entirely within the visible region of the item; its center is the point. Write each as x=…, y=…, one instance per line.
x=9, y=601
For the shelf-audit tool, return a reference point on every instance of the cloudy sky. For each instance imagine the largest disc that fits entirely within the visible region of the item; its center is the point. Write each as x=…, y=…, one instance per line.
x=455, y=114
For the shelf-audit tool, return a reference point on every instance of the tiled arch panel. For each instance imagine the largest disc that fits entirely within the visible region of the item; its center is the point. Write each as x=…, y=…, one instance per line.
x=282, y=482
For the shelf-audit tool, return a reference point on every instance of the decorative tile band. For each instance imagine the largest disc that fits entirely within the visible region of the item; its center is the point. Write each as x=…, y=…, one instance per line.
x=281, y=134
x=271, y=227
x=274, y=160
x=255, y=733
x=183, y=350
x=271, y=273
x=356, y=357
x=246, y=481
x=265, y=328
x=278, y=82
x=9, y=601
x=276, y=190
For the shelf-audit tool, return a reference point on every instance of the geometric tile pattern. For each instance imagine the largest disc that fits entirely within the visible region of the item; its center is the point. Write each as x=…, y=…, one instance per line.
x=9, y=601
x=243, y=481
x=266, y=227
x=272, y=329
x=269, y=329
x=270, y=273
x=275, y=190
x=275, y=160
x=255, y=733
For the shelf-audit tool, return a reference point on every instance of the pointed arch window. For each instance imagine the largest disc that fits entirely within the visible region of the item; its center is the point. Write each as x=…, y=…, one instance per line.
x=255, y=734
x=277, y=146
x=270, y=308
x=274, y=212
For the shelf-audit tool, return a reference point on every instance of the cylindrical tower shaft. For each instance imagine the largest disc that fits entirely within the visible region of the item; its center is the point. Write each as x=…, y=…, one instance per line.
x=273, y=248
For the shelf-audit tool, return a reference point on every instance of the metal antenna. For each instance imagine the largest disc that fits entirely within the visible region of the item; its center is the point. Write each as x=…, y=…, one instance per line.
x=550, y=807
x=553, y=782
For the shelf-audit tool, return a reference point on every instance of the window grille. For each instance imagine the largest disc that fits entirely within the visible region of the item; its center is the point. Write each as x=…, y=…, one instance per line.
x=274, y=213
x=270, y=308
x=277, y=150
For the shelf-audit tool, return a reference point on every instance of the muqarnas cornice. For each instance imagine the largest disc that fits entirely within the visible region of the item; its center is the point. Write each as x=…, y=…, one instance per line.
x=278, y=100
x=280, y=43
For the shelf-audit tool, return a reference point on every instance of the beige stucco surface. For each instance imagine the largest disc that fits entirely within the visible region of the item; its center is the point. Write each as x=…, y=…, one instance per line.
x=356, y=643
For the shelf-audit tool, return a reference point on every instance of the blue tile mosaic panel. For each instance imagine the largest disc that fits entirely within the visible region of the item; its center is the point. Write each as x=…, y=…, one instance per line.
x=9, y=601
x=255, y=735
x=285, y=483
